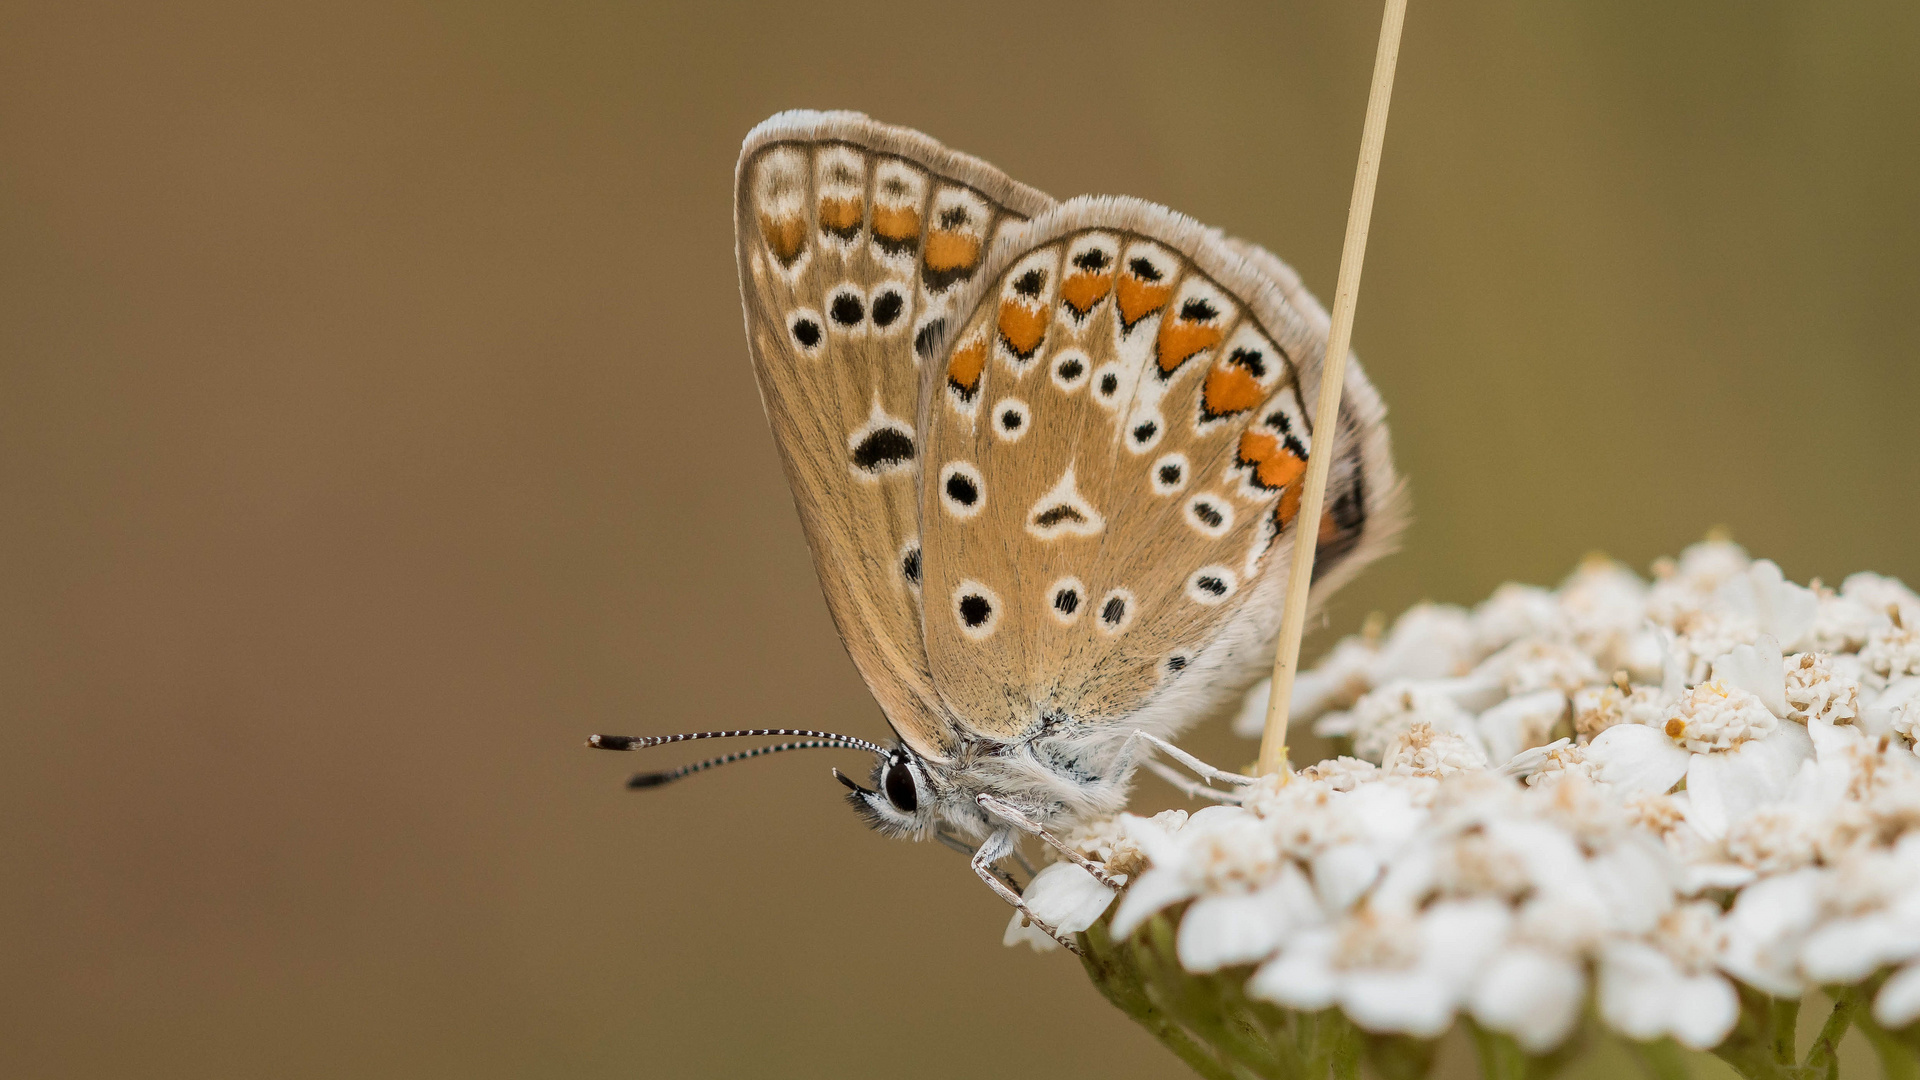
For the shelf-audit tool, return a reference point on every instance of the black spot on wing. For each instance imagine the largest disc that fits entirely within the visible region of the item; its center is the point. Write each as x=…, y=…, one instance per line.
x=847, y=310
x=887, y=307
x=974, y=609
x=885, y=449
x=1054, y=515
x=1092, y=260
x=961, y=489
x=928, y=339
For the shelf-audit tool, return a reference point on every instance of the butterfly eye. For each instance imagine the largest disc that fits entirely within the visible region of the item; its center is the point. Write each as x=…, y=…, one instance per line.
x=899, y=786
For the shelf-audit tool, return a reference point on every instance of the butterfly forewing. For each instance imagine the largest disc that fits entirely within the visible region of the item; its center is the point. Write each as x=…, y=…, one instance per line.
x=854, y=240
x=1113, y=452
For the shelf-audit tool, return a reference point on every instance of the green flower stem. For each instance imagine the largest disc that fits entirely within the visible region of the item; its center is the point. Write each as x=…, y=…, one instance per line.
x=1662, y=1059
x=1208, y=1021
x=1118, y=979
x=1823, y=1057
x=1785, y=1020
x=1500, y=1057
x=1400, y=1057
x=1762, y=1044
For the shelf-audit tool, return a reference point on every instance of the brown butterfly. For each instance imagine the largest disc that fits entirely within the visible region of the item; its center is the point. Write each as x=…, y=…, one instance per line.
x=1048, y=457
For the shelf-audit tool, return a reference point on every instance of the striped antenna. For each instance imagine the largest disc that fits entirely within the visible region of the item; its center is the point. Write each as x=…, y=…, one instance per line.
x=808, y=740
x=655, y=779
x=642, y=742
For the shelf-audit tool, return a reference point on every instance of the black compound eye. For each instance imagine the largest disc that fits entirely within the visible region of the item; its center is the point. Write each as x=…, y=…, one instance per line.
x=898, y=784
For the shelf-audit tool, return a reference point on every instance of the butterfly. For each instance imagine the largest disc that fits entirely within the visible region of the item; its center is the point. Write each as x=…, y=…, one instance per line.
x=1048, y=457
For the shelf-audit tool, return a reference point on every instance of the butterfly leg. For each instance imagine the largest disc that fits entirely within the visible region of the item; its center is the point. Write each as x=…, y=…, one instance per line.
x=1012, y=814
x=1189, y=788
x=1201, y=768
x=996, y=847
x=964, y=848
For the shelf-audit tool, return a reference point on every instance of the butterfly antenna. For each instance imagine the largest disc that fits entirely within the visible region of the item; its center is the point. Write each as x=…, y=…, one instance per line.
x=642, y=742
x=655, y=779
x=808, y=740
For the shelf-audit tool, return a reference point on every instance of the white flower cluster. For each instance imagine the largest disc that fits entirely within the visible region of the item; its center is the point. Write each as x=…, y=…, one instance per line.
x=1635, y=792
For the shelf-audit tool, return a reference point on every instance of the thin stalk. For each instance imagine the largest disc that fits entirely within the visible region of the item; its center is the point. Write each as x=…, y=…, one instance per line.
x=1500, y=1057
x=1119, y=982
x=1823, y=1057
x=1662, y=1059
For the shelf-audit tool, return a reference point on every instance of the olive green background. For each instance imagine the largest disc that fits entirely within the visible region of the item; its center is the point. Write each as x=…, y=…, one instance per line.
x=375, y=422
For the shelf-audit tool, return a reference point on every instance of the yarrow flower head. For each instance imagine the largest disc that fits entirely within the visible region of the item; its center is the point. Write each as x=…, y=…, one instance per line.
x=1650, y=806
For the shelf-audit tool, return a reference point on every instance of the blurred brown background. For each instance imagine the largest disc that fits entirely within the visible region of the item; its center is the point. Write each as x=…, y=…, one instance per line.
x=375, y=422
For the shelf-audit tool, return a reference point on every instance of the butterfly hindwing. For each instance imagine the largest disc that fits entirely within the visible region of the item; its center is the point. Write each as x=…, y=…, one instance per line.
x=1113, y=452
x=854, y=241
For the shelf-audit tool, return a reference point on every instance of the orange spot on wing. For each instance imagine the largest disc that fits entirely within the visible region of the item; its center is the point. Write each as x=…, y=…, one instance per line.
x=1138, y=299
x=1274, y=466
x=1179, y=340
x=1329, y=529
x=951, y=251
x=1022, y=328
x=784, y=236
x=1082, y=291
x=964, y=368
x=1229, y=389
x=1289, y=507
x=896, y=226
x=841, y=217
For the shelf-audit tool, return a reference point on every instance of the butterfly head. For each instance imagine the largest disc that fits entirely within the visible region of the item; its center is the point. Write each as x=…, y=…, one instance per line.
x=902, y=800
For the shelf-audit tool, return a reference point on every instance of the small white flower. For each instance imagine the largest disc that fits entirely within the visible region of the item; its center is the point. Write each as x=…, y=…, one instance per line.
x=1892, y=652
x=1532, y=994
x=1221, y=848
x=1705, y=636
x=1428, y=641
x=1668, y=986
x=1521, y=723
x=1597, y=708
x=1511, y=613
x=1382, y=714
x=1716, y=716
x=1532, y=664
x=1637, y=760
x=1841, y=623
x=1389, y=971
x=1603, y=610
x=1895, y=709
x=1546, y=766
x=1877, y=593
x=1341, y=773
x=1226, y=928
x=1766, y=928
x=1818, y=692
x=1774, y=839
x=1422, y=751
x=1779, y=607
x=1065, y=897
x=1898, y=1002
